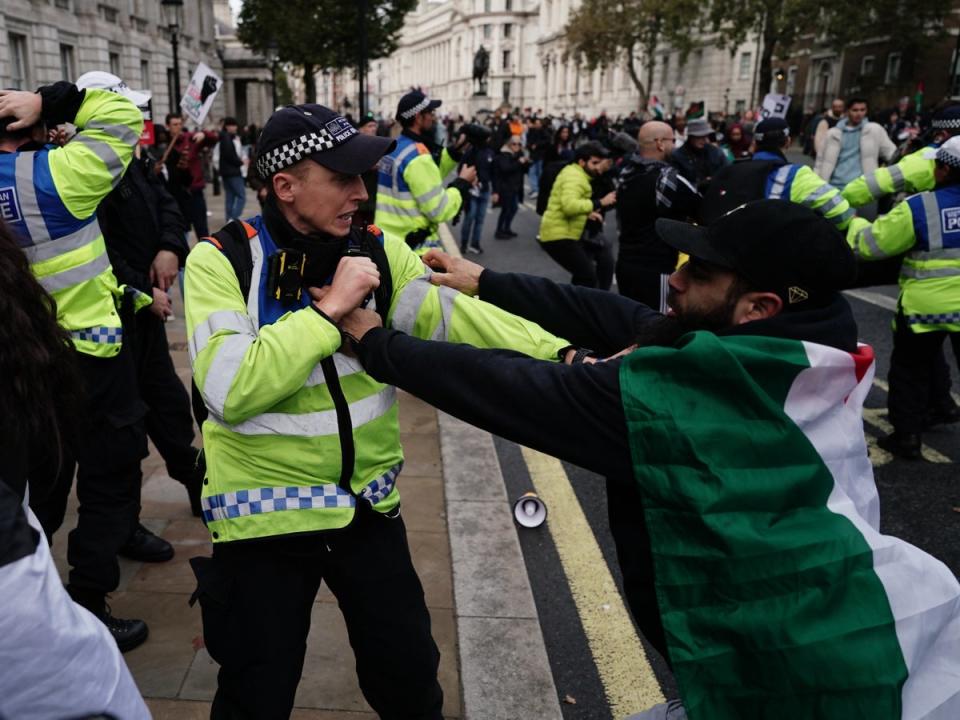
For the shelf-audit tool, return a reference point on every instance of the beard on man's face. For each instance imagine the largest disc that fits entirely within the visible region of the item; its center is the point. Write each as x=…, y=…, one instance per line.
x=667, y=329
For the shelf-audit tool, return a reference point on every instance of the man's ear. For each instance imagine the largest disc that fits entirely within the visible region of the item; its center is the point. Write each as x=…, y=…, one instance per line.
x=283, y=186
x=757, y=306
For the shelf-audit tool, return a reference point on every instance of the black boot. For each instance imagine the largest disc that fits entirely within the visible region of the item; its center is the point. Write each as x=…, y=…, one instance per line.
x=144, y=546
x=128, y=634
x=943, y=416
x=902, y=444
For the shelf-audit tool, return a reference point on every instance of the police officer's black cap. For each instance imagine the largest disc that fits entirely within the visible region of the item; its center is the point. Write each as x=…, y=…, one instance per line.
x=772, y=125
x=947, y=118
x=415, y=102
x=321, y=134
x=776, y=246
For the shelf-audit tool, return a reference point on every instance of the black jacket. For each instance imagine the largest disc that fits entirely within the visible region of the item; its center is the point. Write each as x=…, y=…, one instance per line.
x=508, y=173
x=230, y=163
x=698, y=166
x=140, y=218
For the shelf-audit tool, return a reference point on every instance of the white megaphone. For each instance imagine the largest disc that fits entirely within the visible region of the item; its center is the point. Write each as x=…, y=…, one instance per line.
x=529, y=510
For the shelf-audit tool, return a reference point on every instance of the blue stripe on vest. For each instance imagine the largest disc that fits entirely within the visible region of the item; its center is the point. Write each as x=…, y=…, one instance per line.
x=60, y=221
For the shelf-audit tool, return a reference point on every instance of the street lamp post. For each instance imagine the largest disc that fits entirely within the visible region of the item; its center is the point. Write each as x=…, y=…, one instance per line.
x=273, y=57
x=173, y=13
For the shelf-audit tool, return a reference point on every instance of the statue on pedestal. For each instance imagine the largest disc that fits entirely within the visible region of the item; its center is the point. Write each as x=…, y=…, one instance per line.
x=481, y=65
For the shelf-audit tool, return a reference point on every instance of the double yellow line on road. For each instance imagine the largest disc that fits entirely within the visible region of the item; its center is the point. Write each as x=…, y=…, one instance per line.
x=623, y=666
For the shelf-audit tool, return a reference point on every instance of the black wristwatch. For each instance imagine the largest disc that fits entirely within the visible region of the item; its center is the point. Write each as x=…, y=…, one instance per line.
x=580, y=355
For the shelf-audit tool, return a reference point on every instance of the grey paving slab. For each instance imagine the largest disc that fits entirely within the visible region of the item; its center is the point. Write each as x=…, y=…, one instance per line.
x=470, y=466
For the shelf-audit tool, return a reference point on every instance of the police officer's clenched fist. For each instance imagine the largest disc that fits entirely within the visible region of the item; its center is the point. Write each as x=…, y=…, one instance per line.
x=355, y=279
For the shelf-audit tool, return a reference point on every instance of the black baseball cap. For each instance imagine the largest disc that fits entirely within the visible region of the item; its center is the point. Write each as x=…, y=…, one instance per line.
x=771, y=130
x=415, y=102
x=775, y=245
x=321, y=134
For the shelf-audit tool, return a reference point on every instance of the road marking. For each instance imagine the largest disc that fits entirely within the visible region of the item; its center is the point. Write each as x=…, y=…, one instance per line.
x=625, y=672
x=874, y=298
x=878, y=456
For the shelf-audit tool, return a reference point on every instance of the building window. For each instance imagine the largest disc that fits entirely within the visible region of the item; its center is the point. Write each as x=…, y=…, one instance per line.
x=145, y=74
x=62, y=4
x=665, y=71
x=487, y=31
x=740, y=106
x=506, y=59
x=486, y=5
x=506, y=90
x=745, y=66
x=109, y=14
x=893, y=67
x=792, y=80
x=508, y=4
x=115, y=63
x=18, y=61
x=507, y=29
x=68, y=67
x=867, y=65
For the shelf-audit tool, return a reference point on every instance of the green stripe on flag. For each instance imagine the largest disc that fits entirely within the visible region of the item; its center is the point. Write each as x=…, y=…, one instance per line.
x=770, y=601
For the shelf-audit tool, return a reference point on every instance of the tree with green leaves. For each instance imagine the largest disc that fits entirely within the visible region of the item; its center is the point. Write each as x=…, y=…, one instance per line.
x=780, y=23
x=602, y=33
x=314, y=34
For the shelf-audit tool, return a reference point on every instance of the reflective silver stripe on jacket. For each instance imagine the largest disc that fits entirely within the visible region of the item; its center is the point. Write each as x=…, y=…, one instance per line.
x=429, y=195
x=943, y=254
x=873, y=185
x=896, y=174
x=106, y=153
x=216, y=321
x=314, y=424
x=75, y=275
x=843, y=217
x=397, y=162
x=223, y=370
x=779, y=182
x=27, y=195
x=47, y=249
x=345, y=366
x=810, y=199
x=925, y=273
x=440, y=208
x=932, y=212
x=256, y=501
x=123, y=133
x=411, y=300
x=395, y=210
x=866, y=235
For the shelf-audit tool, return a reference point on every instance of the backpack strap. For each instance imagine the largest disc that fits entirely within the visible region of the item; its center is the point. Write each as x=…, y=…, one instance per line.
x=370, y=241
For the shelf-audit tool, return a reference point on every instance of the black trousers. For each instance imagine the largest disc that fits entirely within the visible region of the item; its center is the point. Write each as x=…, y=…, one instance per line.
x=106, y=450
x=256, y=598
x=573, y=255
x=919, y=377
x=628, y=526
x=169, y=421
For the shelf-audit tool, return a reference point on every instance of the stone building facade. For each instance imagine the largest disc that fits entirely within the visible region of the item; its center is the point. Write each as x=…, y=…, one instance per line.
x=247, y=76
x=42, y=41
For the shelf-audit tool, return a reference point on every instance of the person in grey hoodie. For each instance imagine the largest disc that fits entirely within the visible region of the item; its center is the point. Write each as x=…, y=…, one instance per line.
x=854, y=147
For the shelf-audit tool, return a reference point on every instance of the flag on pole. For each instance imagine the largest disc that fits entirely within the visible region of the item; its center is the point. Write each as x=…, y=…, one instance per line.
x=656, y=108
x=779, y=595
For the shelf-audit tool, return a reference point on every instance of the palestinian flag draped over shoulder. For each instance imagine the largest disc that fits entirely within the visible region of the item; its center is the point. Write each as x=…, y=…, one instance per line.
x=779, y=595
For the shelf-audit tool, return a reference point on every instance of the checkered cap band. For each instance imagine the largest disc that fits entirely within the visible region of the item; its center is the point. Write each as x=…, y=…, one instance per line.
x=948, y=156
x=946, y=124
x=419, y=107
x=296, y=150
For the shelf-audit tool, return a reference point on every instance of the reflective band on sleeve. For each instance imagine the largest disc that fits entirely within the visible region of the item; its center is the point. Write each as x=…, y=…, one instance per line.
x=776, y=192
x=223, y=370
x=873, y=185
x=932, y=211
x=315, y=424
x=216, y=321
x=27, y=194
x=100, y=335
x=896, y=174
x=409, y=303
x=46, y=250
x=75, y=275
x=866, y=235
x=944, y=254
x=429, y=195
x=344, y=365
x=307, y=497
x=103, y=151
x=398, y=161
x=447, y=298
x=123, y=133
x=926, y=273
x=810, y=199
x=843, y=217
x=441, y=206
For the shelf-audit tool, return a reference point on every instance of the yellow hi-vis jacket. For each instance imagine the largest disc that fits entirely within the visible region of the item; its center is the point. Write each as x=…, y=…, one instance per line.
x=273, y=436
x=49, y=198
x=410, y=192
x=913, y=174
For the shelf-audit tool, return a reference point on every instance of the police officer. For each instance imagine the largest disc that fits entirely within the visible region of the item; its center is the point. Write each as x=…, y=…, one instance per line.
x=927, y=227
x=50, y=196
x=411, y=199
x=302, y=446
x=913, y=173
x=768, y=174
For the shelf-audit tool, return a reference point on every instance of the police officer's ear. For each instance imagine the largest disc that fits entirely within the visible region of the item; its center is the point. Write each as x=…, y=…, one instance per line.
x=285, y=183
x=756, y=306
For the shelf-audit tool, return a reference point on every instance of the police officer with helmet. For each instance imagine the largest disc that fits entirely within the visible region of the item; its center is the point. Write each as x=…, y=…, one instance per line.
x=411, y=199
x=302, y=446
